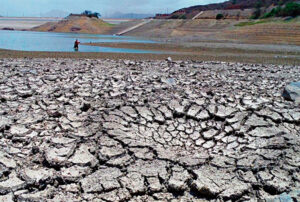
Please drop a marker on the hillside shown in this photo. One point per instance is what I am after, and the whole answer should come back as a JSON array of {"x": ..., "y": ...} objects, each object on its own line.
[
  {"x": 229, "y": 30},
  {"x": 77, "y": 24},
  {"x": 241, "y": 5}
]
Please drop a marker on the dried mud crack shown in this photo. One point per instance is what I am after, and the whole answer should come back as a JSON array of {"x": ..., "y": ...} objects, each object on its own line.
[{"x": 109, "y": 130}]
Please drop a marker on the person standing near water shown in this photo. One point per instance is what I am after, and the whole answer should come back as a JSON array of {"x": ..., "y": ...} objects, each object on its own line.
[{"x": 76, "y": 44}]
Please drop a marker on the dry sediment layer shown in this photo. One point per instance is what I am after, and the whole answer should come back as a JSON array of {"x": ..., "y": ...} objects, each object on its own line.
[{"x": 108, "y": 130}]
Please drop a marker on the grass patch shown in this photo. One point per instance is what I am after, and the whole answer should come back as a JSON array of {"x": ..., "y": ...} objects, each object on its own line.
[
  {"x": 270, "y": 20},
  {"x": 242, "y": 24},
  {"x": 108, "y": 24}
]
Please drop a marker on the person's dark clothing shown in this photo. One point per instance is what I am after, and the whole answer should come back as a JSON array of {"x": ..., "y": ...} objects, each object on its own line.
[{"x": 76, "y": 44}]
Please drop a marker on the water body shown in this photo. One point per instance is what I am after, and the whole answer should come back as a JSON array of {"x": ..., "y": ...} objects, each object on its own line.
[
  {"x": 29, "y": 19},
  {"x": 63, "y": 42}
]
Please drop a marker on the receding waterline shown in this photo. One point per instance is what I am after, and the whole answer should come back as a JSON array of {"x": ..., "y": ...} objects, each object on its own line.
[{"x": 63, "y": 42}]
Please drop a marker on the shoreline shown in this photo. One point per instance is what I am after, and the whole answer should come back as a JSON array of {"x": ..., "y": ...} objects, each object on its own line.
[
  {"x": 181, "y": 50},
  {"x": 209, "y": 56},
  {"x": 198, "y": 46}
]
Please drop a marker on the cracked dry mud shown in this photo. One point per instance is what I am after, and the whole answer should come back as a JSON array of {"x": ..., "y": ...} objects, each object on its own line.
[{"x": 104, "y": 130}]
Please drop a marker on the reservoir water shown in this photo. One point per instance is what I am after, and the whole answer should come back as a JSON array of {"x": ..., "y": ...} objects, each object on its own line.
[{"x": 63, "y": 42}]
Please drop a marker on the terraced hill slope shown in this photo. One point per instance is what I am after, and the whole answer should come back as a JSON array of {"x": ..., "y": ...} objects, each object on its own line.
[
  {"x": 265, "y": 33},
  {"x": 181, "y": 28},
  {"x": 257, "y": 32}
]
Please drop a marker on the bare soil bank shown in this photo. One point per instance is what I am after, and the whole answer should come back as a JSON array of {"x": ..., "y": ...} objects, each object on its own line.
[
  {"x": 275, "y": 31},
  {"x": 233, "y": 54},
  {"x": 201, "y": 47},
  {"x": 76, "y": 24}
]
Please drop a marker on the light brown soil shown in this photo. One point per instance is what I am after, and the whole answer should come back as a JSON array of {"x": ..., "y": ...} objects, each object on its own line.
[
  {"x": 77, "y": 25},
  {"x": 275, "y": 31},
  {"x": 266, "y": 33}
]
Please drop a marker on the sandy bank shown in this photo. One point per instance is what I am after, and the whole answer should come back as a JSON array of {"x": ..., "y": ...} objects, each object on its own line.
[{"x": 234, "y": 53}]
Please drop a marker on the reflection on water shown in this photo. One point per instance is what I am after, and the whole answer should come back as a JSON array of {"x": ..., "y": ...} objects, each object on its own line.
[{"x": 63, "y": 42}]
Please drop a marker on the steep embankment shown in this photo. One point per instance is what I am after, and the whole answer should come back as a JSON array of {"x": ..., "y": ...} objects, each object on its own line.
[
  {"x": 183, "y": 29},
  {"x": 76, "y": 24},
  {"x": 273, "y": 31},
  {"x": 265, "y": 32}
]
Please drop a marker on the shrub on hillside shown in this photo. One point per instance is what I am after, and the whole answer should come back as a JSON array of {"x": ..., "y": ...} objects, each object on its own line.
[
  {"x": 183, "y": 17},
  {"x": 179, "y": 17},
  {"x": 219, "y": 16},
  {"x": 91, "y": 14},
  {"x": 257, "y": 12},
  {"x": 175, "y": 17},
  {"x": 290, "y": 9},
  {"x": 282, "y": 2},
  {"x": 273, "y": 13}
]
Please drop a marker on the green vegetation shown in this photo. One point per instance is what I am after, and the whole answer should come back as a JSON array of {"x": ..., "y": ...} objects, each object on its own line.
[
  {"x": 179, "y": 17},
  {"x": 290, "y": 9},
  {"x": 219, "y": 16},
  {"x": 90, "y": 14},
  {"x": 273, "y": 12},
  {"x": 257, "y": 12},
  {"x": 183, "y": 17},
  {"x": 242, "y": 24}
]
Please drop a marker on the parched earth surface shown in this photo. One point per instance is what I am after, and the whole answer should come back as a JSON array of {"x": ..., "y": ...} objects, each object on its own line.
[{"x": 107, "y": 130}]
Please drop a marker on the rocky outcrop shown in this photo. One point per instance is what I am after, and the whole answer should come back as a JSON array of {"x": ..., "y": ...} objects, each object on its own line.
[
  {"x": 292, "y": 92},
  {"x": 106, "y": 130}
]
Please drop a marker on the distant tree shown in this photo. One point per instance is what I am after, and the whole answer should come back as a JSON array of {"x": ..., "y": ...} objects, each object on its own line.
[
  {"x": 257, "y": 13},
  {"x": 219, "y": 16},
  {"x": 86, "y": 13},
  {"x": 282, "y": 2},
  {"x": 291, "y": 9},
  {"x": 97, "y": 15},
  {"x": 233, "y": 2},
  {"x": 91, "y": 14},
  {"x": 258, "y": 4},
  {"x": 274, "y": 12}
]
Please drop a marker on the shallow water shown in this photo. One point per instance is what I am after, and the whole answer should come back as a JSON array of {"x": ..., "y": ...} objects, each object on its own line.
[{"x": 63, "y": 42}]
